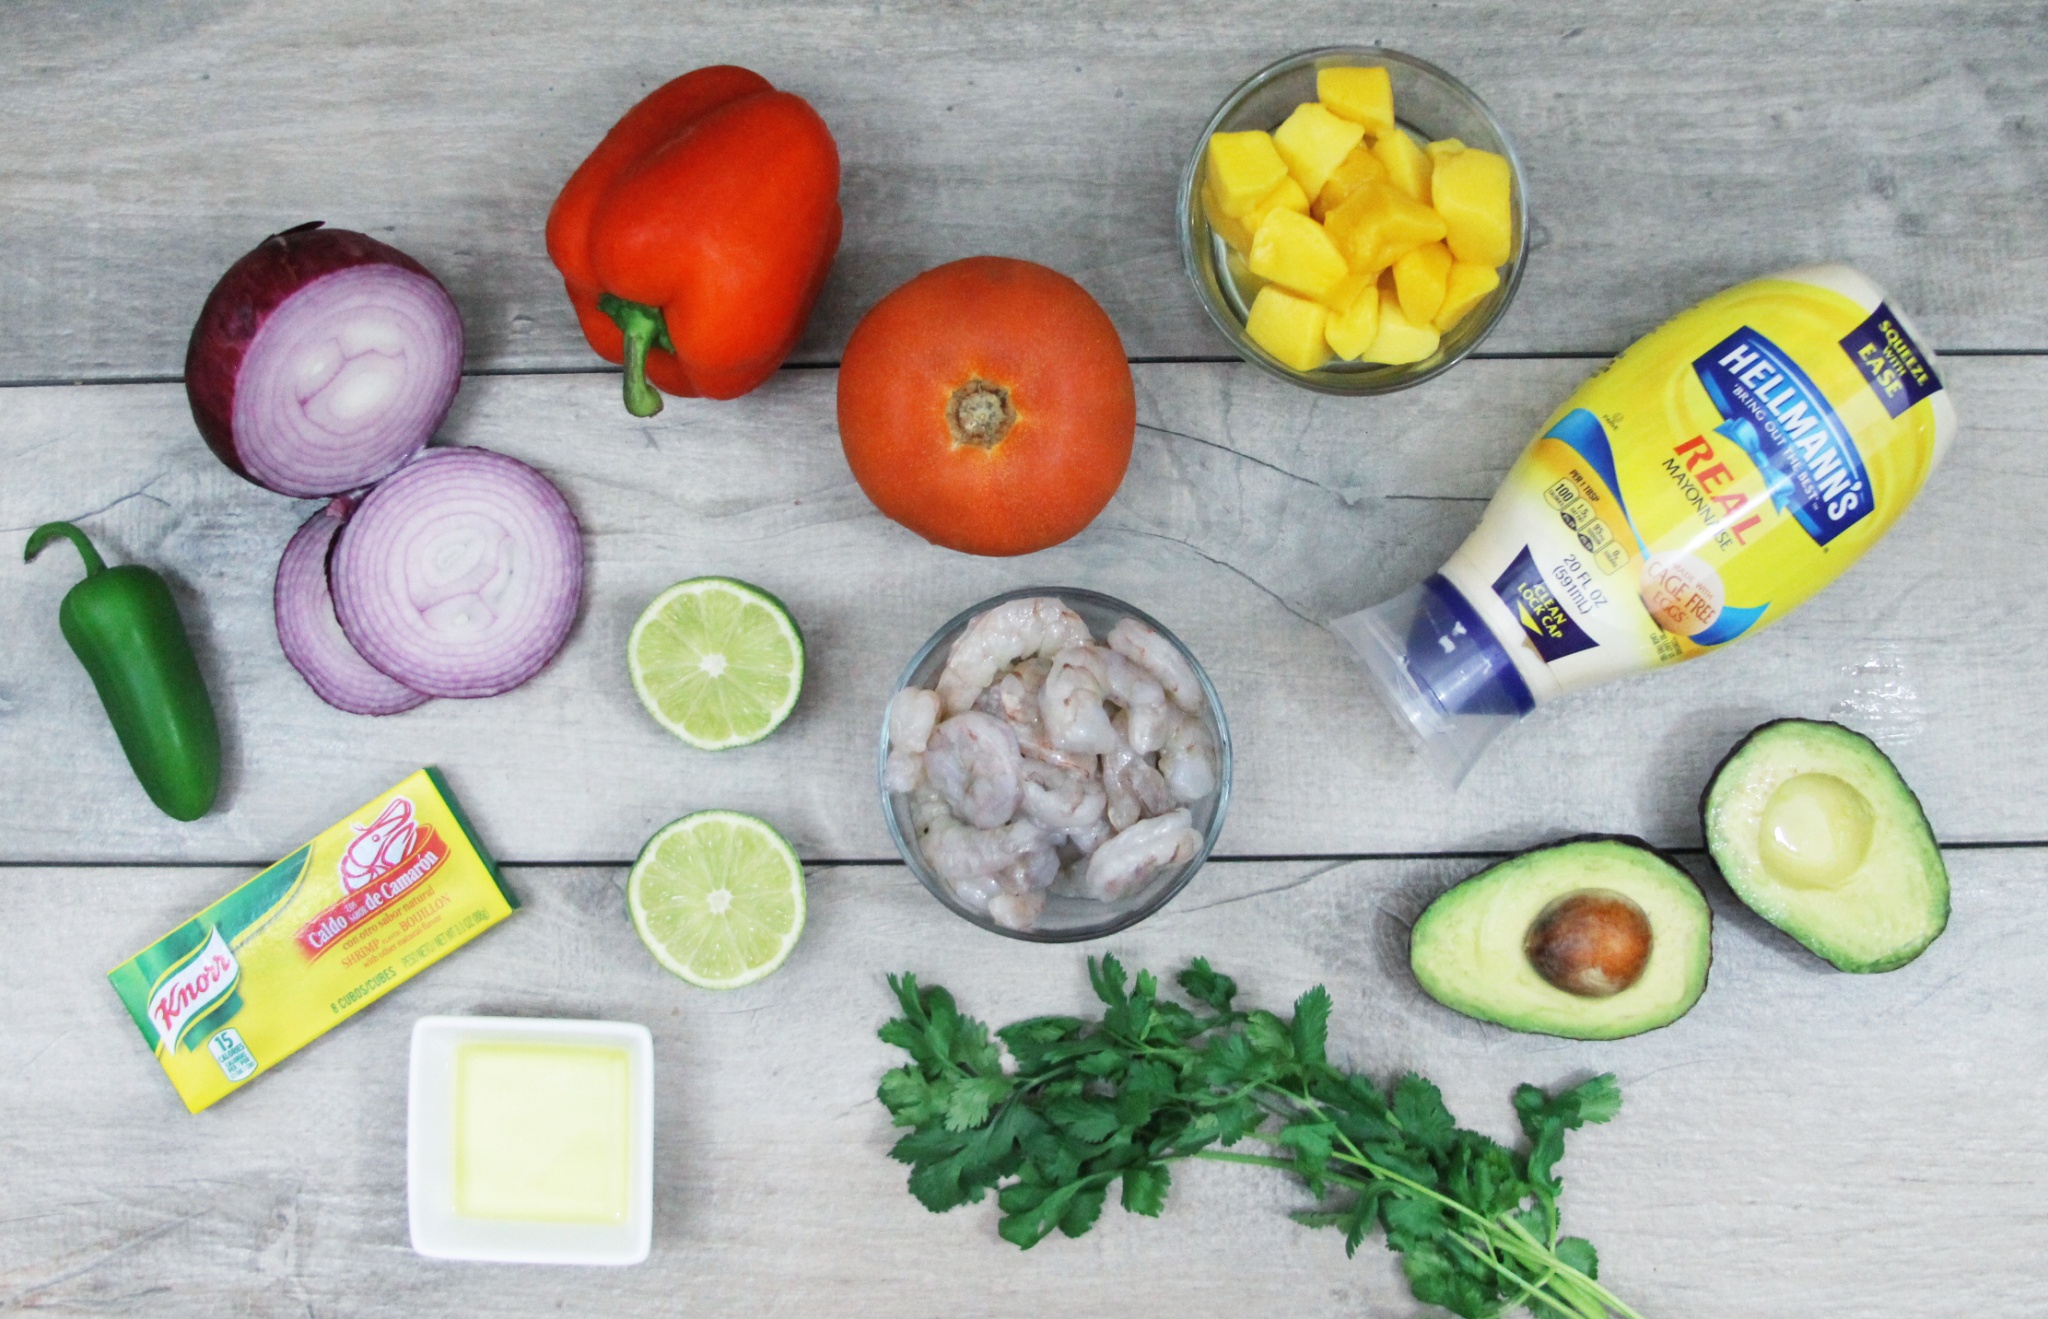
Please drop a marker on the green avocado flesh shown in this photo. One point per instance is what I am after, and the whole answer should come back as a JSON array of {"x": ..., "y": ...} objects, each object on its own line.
[
  {"x": 1470, "y": 950},
  {"x": 1813, "y": 827}
]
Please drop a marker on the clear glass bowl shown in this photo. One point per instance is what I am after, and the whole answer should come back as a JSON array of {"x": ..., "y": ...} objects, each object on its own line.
[
  {"x": 1429, "y": 103},
  {"x": 1065, "y": 919}
]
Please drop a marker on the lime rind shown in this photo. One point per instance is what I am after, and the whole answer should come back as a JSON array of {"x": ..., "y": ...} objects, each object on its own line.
[
  {"x": 673, "y": 895},
  {"x": 746, "y": 692}
]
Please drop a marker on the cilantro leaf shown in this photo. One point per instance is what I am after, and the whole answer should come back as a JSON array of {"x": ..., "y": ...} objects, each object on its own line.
[
  {"x": 1419, "y": 1108},
  {"x": 968, "y": 1102},
  {"x": 1049, "y": 1112},
  {"x": 1579, "y": 1254},
  {"x": 1145, "y": 1188},
  {"x": 1311, "y": 1027},
  {"x": 1207, "y": 986}
]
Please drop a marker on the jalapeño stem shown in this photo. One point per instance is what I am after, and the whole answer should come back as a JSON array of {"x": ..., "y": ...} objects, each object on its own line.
[
  {"x": 643, "y": 327},
  {"x": 49, "y": 531}
]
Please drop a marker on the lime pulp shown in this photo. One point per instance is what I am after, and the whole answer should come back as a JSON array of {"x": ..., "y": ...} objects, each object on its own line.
[{"x": 718, "y": 898}]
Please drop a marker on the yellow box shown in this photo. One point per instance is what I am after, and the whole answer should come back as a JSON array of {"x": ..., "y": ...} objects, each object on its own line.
[{"x": 316, "y": 938}]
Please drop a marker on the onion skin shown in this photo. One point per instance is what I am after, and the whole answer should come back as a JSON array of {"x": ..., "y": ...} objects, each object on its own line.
[
  {"x": 461, "y": 574},
  {"x": 311, "y": 637},
  {"x": 278, "y": 268}
]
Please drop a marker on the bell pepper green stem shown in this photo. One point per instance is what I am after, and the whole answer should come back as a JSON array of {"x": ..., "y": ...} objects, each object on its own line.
[
  {"x": 49, "y": 531},
  {"x": 644, "y": 328}
]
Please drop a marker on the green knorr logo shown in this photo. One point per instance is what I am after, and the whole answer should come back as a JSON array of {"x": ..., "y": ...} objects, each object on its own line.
[{"x": 181, "y": 998}]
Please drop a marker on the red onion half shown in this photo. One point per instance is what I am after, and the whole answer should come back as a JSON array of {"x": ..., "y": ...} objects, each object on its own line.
[
  {"x": 322, "y": 360},
  {"x": 461, "y": 574},
  {"x": 311, "y": 636}
]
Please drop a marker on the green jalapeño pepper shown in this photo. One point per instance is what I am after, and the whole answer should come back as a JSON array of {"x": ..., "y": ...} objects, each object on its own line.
[{"x": 124, "y": 627}]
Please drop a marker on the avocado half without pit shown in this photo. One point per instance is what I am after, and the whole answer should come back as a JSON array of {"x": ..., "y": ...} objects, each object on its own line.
[
  {"x": 1814, "y": 829},
  {"x": 1591, "y": 938}
]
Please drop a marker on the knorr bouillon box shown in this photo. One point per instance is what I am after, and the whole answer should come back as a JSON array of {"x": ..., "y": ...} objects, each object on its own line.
[{"x": 319, "y": 936}]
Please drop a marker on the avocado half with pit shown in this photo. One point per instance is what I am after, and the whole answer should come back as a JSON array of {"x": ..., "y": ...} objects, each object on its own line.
[
  {"x": 1591, "y": 938},
  {"x": 1812, "y": 826}
]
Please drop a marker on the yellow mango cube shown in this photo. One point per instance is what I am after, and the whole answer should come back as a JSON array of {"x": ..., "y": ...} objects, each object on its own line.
[
  {"x": 1348, "y": 290},
  {"x": 1350, "y": 332},
  {"x": 1314, "y": 142},
  {"x": 1231, "y": 228},
  {"x": 1352, "y": 173},
  {"x": 1437, "y": 150},
  {"x": 1471, "y": 191},
  {"x": 1364, "y": 96},
  {"x": 1421, "y": 278},
  {"x": 1248, "y": 284},
  {"x": 1399, "y": 340},
  {"x": 1466, "y": 288},
  {"x": 1289, "y": 196},
  {"x": 1408, "y": 166},
  {"x": 1292, "y": 250},
  {"x": 1237, "y": 230},
  {"x": 1289, "y": 327},
  {"x": 1378, "y": 223},
  {"x": 1242, "y": 169}
]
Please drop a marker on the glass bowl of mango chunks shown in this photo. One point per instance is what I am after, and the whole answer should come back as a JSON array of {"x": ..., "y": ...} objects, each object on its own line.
[{"x": 1353, "y": 220}]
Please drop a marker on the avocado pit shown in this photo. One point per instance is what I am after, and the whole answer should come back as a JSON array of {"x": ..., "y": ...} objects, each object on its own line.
[{"x": 1593, "y": 943}]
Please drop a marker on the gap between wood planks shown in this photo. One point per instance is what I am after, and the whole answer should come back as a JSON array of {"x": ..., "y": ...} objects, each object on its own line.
[
  {"x": 485, "y": 372},
  {"x": 875, "y": 862}
]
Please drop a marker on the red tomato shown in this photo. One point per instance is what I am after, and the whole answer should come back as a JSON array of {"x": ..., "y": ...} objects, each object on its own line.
[{"x": 987, "y": 405}]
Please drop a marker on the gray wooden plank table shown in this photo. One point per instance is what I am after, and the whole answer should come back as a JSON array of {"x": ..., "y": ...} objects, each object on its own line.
[{"x": 1803, "y": 1143}]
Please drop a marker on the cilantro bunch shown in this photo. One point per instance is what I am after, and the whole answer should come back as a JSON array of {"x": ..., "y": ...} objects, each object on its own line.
[{"x": 1078, "y": 1107}]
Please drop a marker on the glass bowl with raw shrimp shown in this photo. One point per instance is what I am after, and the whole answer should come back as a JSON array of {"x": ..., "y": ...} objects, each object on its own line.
[{"x": 1054, "y": 765}]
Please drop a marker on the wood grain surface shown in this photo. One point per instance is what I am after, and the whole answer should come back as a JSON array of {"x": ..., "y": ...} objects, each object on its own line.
[
  {"x": 1803, "y": 1143},
  {"x": 1671, "y": 150},
  {"x": 1253, "y": 512}
]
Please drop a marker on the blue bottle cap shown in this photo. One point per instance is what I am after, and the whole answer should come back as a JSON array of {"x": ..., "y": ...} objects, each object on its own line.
[{"x": 1440, "y": 670}]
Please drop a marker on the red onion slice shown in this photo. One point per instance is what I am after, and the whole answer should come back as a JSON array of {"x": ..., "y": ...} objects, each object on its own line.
[
  {"x": 322, "y": 361},
  {"x": 461, "y": 574},
  {"x": 311, "y": 636}
]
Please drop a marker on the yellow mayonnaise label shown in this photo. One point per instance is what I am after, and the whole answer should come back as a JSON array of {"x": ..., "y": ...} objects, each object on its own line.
[
  {"x": 1708, "y": 481},
  {"x": 324, "y": 933}
]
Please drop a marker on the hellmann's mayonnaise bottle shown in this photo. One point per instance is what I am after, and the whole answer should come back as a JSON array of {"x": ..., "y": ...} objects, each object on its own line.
[{"x": 1720, "y": 471}]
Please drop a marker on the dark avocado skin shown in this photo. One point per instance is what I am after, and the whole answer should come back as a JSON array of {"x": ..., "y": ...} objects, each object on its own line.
[
  {"x": 1625, "y": 840},
  {"x": 1742, "y": 745}
]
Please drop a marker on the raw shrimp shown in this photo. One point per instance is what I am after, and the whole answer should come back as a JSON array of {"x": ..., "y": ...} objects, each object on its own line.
[
  {"x": 1126, "y": 862},
  {"x": 912, "y": 713},
  {"x": 1000, "y": 637},
  {"x": 1017, "y": 911},
  {"x": 1014, "y": 698},
  {"x": 1142, "y": 697},
  {"x": 904, "y": 771},
  {"x": 1071, "y": 703},
  {"x": 1160, "y": 658},
  {"x": 1089, "y": 837},
  {"x": 1081, "y": 679},
  {"x": 1135, "y": 789},
  {"x": 1061, "y": 799},
  {"x": 1187, "y": 760},
  {"x": 970, "y": 859},
  {"x": 972, "y": 760},
  {"x": 1032, "y": 871}
]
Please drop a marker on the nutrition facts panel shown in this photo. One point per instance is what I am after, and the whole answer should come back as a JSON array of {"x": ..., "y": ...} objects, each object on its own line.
[{"x": 1784, "y": 1149}]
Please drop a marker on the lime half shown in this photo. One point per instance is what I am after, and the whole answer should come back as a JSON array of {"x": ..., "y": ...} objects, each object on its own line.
[
  {"x": 718, "y": 898},
  {"x": 718, "y": 662}
]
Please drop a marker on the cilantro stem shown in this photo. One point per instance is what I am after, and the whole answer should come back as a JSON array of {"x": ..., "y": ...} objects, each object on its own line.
[{"x": 1516, "y": 1234}]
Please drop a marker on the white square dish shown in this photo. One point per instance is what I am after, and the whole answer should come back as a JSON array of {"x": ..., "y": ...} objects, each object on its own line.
[{"x": 530, "y": 1140}]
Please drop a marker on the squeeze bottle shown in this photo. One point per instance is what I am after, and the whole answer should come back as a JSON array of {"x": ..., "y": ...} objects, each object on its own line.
[{"x": 1724, "y": 468}]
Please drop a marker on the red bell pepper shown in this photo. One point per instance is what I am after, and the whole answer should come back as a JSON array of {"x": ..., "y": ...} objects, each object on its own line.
[{"x": 695, "y": 239}]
